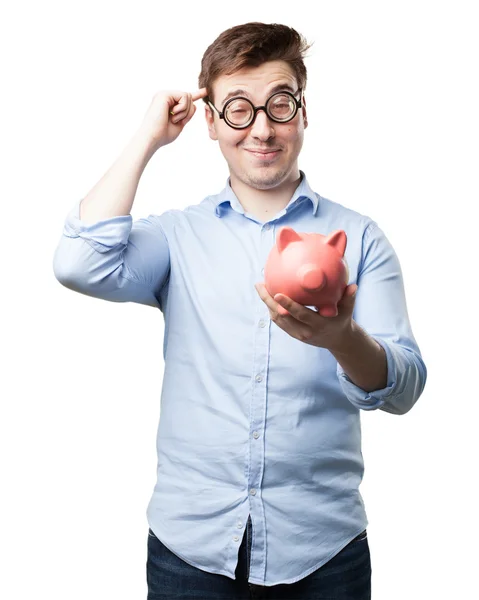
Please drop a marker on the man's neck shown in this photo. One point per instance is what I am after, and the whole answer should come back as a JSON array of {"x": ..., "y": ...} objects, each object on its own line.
[{"x": 264, "y": 204}]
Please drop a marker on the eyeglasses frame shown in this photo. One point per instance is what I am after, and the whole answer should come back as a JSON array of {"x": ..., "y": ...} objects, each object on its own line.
[{"x": 256, "y": 109}]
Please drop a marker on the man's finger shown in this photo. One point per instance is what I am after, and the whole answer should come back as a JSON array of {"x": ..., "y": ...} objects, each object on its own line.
[
  {"x": 269, "y": 301},
  {"x": 199, "y": 94},
  {"x": 349, "y": 293},
  {"x": 181, "y": 105}
]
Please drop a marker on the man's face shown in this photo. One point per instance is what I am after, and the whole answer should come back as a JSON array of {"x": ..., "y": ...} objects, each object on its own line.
[{"x": 265, "y": 154}]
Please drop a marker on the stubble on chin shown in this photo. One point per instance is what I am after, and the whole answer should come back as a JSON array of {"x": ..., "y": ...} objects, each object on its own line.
[{"x": 262, "y": 179}]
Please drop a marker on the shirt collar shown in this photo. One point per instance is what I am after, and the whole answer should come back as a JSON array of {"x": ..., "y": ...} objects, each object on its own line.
[{"x": 302, "y": 193}]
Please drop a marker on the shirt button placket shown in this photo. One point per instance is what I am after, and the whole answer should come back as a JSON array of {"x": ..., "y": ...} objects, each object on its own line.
[{"x": 258, "y": 404}]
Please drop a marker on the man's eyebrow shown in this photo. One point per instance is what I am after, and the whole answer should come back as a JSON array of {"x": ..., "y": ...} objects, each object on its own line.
[
  {"x": 233, "y": 93},
  {"x": 277, "y": 88}
]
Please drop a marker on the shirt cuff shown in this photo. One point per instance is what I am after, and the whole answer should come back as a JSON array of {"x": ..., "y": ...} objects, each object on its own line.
[
  {"x": 377, "y": 398},
  {"x": 103, "y": 235}
]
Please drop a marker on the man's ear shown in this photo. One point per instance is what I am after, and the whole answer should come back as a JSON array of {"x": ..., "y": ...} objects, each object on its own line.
[
  {"x": 305, "y": 115},
  {"x": 210, "y": 121}
]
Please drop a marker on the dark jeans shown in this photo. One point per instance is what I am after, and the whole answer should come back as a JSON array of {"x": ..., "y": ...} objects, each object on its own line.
[{"x": 347, "y": 576}]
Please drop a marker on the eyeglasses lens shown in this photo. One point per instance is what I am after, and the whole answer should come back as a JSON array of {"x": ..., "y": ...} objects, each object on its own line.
[
  {"x": 281, "y": 107},
  {"x": 240, "y": 112}
]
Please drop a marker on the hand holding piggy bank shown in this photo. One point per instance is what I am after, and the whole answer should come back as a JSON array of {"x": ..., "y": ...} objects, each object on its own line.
[{"x": 310, "y": 268}]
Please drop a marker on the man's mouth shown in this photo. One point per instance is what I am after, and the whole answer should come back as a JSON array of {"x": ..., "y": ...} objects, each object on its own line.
[{"x": 263, "y": 153}]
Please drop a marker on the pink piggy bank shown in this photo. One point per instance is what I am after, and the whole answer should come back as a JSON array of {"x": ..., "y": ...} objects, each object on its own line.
[{"x": 310, "y": 268}]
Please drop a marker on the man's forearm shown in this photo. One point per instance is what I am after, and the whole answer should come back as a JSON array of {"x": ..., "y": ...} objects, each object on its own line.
[
  {"x": 363, "y": 359},
  {"x": 114, "y": 194}
]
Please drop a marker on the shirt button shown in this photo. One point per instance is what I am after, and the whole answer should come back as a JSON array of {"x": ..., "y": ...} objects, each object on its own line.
[
  {"x": 262, "y": 323},
  {"x": 258, "y": 378},
  {"x": 255, "y": 435},
  {"x": 267, "y": 226},
  {"x": 236, "y": 538},
  {"x": 240, "y": 525},
  {"x": 252, "y": 492}
]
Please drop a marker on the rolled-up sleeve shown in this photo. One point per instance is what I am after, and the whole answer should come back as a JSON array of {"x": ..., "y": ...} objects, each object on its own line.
[
  {"x": 114, "y": 259},
  {"x": 380, "y": 309}
]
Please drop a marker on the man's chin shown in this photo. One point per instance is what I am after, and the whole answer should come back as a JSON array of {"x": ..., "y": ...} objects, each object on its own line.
[{"x": 264, "y": 178}]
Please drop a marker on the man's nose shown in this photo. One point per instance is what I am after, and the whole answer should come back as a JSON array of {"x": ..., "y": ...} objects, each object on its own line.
[{"x": 262, "y": 127}]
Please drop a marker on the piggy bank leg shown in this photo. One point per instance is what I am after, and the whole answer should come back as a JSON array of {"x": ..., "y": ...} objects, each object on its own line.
[{"x": 328, "y": 310}]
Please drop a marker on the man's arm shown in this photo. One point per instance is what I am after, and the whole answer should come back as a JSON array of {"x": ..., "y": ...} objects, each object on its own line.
[
  {"x": 102, "y": 253},
  {"x": 380, "y": 317},
  {"x": 165, "y": 119},
  {"x": 379, "y": 364},
  {"x": 114, "y": 194},
  {"x": 363, "y": 359}
]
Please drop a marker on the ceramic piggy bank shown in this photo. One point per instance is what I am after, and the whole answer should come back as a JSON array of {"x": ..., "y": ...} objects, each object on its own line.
[{"x": 310, "y": 268}]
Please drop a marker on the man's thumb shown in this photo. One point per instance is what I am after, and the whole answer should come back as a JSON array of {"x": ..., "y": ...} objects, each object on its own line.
[{"x": 350, "y": 293}]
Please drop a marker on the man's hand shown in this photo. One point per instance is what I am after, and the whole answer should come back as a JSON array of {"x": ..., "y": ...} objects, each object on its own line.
[
  {"x": 167, "y": 116},
  {"x": 308, "y": 325}
]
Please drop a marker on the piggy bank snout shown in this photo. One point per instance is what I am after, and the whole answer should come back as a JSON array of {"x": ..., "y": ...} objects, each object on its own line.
[{"x": 311, "y": 277}]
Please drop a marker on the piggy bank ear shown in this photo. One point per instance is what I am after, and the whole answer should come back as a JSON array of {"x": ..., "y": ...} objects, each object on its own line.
[
  {"x": 286, "y": 235},
  {"x": 338, "y": 240}
]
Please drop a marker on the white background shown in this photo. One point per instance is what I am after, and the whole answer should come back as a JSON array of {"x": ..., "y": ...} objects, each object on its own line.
[{"x": 393, "y": 133}]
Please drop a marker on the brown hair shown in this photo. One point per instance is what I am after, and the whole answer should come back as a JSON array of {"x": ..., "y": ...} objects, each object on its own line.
[{"x": 250, "y": 45}]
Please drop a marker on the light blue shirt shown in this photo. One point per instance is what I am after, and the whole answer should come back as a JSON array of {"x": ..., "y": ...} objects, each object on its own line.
[{"x": 252, "y": 421}]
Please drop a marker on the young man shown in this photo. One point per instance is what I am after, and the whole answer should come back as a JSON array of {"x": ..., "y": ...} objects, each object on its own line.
[{"x": 259, "y": 440}]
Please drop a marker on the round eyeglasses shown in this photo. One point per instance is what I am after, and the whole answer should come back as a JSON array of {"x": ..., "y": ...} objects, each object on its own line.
[{"x": 240, "y": 112}]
